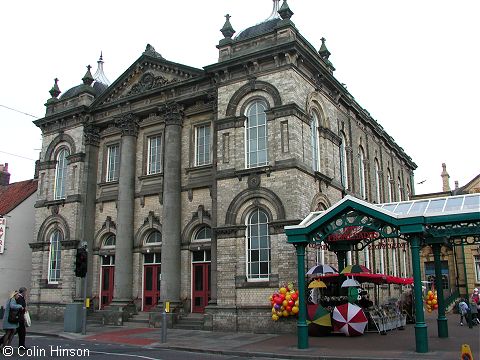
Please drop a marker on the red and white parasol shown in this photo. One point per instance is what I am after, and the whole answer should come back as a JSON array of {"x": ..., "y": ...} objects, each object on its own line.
[{"x": 349, "y": 319}]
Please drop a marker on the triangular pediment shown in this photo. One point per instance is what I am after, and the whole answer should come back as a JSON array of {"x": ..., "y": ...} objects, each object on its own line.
[{"x": 150, "y": 72}]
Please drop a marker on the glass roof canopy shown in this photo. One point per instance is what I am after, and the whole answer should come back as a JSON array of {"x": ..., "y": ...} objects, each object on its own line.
[
  {"x": 447, "y": 205},
  {"x": 435, "y": 206}
]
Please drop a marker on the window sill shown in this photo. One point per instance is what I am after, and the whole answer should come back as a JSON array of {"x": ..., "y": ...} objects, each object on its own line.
[{"x": 241, "y": 282}]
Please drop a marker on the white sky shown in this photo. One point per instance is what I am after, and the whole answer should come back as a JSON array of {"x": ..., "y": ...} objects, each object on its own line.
[{"x": 414, "y": 65}]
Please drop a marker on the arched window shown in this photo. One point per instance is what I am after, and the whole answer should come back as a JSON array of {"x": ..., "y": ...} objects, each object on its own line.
[
  {"x": 390, "y": 188},
  {"x": 258, "y": 246},
  {"x": 407, "y": 195},
  {"x": 361, "y": 173},
  {"x": 315, "y": 144},
  {"x": 378, "y": 197},
  {"x": 343, "y": 161},
  {"x": 54, "y": 257},
  {"x": 256, "y": 134},
  {"x": 154, "y": 237},
  {"x": 109, "y": 241},
  {"x": 61, "y": 174},
  {"x": 203, "y": 234},
  {"x": 400, "y": 197}
]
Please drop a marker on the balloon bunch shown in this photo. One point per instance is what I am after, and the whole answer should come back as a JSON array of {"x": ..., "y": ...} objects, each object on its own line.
[
  {"x": 431, "y": 301},
  {"x": 284, "y": 302}
]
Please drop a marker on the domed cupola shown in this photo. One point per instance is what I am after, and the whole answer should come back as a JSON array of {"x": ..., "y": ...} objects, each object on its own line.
[
  {"x": 93, "y": 85},
  {"x": 269, "y": 24}
]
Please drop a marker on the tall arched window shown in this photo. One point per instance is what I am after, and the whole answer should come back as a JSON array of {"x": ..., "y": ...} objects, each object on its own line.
[
  {"x": 258, "y": 246},
  {"x": 256, "y": 134},
  {"x": 54, "y": 257},
  {"x": 315, "y": 144},
  {"x": 361, "y": 173},
  {"x": 400, "y": 197},
  {"x": 61, "y": 174},
  {"x": 343, "y": 161},
  {"x": 390, "y": 187},
  {"x": 378, "y": 197}
]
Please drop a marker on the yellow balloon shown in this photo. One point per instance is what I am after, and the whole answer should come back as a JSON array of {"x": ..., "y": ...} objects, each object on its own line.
[
  {"x": 429, "y": 310},
  {"x": 285, "y": 313},
  {"x": 285, "y": 303},
  {"x": 274, "y": 311},
  {"x": 434, "y": 301},
  {"x": 283, "y": 290},
  {"x": 274, "y": 317},
  {"x": 288, "y": 296},
  {"x": 429, "y": 292},
  {"x": 295, "y": 310},
  {"x": 429, "y": 302},
  {"x": 279, "y": 313},
  {"x": 297, "y": 303}
]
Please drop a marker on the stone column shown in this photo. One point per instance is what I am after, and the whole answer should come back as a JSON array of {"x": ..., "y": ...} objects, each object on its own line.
[
  {"x": 91, "y": 137},
  {"x": 122, "y": 294},
  {"x": 171, "y": 225}
]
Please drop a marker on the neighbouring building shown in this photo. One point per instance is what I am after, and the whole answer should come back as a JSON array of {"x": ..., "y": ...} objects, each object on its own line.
[
  {"x": 461, "y": 263},
  {"x": 17, "y": 220},
  {"x": 180, "y": 180}
]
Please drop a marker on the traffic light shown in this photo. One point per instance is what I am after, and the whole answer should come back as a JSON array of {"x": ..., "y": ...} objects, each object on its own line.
[{"x": 81, "y": 262}]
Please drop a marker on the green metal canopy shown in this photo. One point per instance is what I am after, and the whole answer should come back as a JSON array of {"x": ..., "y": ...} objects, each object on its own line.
[{"x": 354, "y": 223}]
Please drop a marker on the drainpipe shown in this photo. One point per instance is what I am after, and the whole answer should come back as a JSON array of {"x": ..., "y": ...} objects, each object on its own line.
[{"x": 465, "y": 270}]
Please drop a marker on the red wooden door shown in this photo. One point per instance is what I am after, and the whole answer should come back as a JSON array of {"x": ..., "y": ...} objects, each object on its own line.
[
  {"x": 200, "y": 286},
  {"x": 151, "y": 286},
  {"x": 107, "y": 285}
]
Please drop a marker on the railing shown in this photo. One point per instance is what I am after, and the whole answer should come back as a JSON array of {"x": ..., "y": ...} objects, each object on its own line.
[{"x": 452, "y": 298}]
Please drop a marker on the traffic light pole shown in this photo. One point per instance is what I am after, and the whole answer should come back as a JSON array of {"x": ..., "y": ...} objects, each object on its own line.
[{"x": 84, "y": 309}]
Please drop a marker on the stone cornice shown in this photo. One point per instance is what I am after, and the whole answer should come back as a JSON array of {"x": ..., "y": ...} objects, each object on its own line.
[
  {"x": 46, "y": 165},
  {"x": 291, "y": 109},
  {"x": 230, "y": 122},
  {"x": 78, "y": 157}
]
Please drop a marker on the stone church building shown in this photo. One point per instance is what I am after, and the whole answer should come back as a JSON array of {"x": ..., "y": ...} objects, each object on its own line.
[{"x": 180, "y": 180}]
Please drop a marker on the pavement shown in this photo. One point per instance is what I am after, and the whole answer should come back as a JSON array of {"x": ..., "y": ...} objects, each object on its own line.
[{"x": 395, "y": 345}]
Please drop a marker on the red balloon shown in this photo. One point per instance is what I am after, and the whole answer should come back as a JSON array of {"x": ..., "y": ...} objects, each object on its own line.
[
  {"x": 291, "y": 303},
  {"x": 282, "y": 297},
  {"x": 278, "y": 300},
  {"x": 294, "y": 296},
  {"x": 288, "y": 308}
]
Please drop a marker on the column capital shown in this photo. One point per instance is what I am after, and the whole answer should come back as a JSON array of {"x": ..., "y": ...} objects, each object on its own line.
[
  {"x": 91, "y": 135},
  {"x": 128, "y": 124},
  {"x": 172, "y": 112}
]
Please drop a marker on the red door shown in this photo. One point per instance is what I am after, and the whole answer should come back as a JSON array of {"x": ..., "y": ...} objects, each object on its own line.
[
  {"x": 107, "y": 285},
  {"x": 151, "y": 286},
  {"x": 201, "y": 286}
]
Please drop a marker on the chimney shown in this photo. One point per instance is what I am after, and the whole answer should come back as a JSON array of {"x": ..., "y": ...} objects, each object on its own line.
[
  {"x": 456, "y": 184},
  {"x": 445, "y": 178},
  {"x": 4, "y": 175}
]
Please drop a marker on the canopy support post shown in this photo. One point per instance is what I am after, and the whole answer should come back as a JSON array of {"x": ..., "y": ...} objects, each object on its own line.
[
  {"x": 441, "y": 320},
  {"x": 342, "y": 257},
  {"x": 421, "y": 334},
  {"x": 302, "y": 327}
]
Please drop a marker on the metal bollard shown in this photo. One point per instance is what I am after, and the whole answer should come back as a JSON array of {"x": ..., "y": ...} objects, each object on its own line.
[{"x": 164, "y": 327}]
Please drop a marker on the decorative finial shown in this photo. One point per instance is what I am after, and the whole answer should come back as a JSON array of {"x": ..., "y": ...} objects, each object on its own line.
[
  {"x": 55, "y": 90},
  {"x": 285, "y": 12},
  {"x": 99, "y": 74},
  {"x": 88, "y": 78},
  {"x": 150, "y": 51},
  {"x": 324, "y": 53},
  {"x": 227, "y": 29}
]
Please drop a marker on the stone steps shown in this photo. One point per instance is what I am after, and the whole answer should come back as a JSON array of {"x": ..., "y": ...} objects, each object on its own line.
[{"x": 190, "y": 322}]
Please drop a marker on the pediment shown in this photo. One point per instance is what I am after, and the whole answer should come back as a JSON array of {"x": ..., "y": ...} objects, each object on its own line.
[{"x": 146, "y": 74}]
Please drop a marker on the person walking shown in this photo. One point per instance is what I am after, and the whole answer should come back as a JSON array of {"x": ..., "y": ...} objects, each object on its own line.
[
  {"x": 22, "y": 330},
  {"x": 475, "y": 301},
  {"x": 10, "y": 327}
]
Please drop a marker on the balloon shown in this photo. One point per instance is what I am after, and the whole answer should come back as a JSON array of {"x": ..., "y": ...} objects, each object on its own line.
[
  {"x": 429, "y": 310},
  {"x": 285, "y": 313},
  {"x": 278, "y": 300},
  {"x": 297, "y": 303},
  {"x": 274, "y": 317},
  {"x": 295, "y": 309},
  {"x": 435, "y": 306},
  {"x": 429, "y": 292},
  {"x": 294, "y": 296},
  {"x": 277, "y": 307},
  {"x": 283, "y": 290},
  {"x": 288, "y": 308},
  {"x": 284, "y": 302},
  {"x": 273, "y": 310},
  {"x": 291, "y": 303},
  {"x": 279, "y": 313},
  {"x": 429, "y": 302},
  {"x": 288, "y": 296},
  {"x": 434, "y": 301}
]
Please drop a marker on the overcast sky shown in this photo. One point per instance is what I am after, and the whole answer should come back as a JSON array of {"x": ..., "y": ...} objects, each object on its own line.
[{"x": 414, "y": 65}]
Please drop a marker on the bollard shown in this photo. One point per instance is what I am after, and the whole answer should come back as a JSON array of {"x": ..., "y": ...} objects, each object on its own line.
[{"x": 164, "y": 327}]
